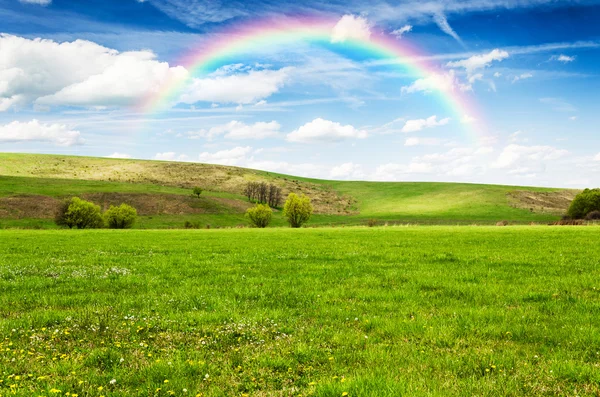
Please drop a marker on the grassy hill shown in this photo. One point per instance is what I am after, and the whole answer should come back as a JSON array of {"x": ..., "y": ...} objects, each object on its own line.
[{"x": 31, "y": 186}]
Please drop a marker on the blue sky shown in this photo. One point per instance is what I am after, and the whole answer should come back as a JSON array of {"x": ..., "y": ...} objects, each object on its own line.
[{"x": 72, "y": 76}]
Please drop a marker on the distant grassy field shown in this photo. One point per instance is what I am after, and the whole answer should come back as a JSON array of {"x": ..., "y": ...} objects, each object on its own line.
[
  {"x": 437, "y": 311},
  {"x": 32, "y": 185}
]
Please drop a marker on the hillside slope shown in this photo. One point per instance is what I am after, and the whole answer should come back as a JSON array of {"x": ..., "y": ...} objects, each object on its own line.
[{"x": 32, "y": 185}]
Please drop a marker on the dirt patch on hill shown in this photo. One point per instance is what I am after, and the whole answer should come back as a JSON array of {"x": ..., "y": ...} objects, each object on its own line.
[
  {"x": 555, "y": 203},
  {"x": 17, "y": 207},
  {"x": 168, "y": 204}
]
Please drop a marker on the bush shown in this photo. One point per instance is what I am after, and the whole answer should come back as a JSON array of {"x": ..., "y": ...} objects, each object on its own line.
[
  {"x": 593, "y": 216},
  {"x": 191, "y": 225},
  {"x": 121, "y": 217},
  {"x": 372, "y": 222},
  {"x": 60, "y": 218},
  {"x": 297, "y": 210},
  {"x": 80, "y": 214},
  {"x": 260, "y": 216},
  {"x": 197, "y": 191},
  {"x": 584, "y": 203}
]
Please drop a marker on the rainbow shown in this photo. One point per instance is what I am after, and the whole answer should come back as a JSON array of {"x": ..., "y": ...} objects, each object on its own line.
[{"x": 249, "y": 37}]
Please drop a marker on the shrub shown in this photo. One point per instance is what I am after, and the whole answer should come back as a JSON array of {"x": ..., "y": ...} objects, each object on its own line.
[
  {"x": 297, "y": 210},
  {"x": 60, "y": 218},
  {"x": 593, "y": 216},
  {"x": 372, "y": 222},
  {"x": 80, "y": 214},
  {"x": 121, "y": 217},
  {"x": 584, "y": 203},
  {"x": 191, "y": 225},
  {"x": 260, "y": 216},
  {"x": 197, "y": 191}
]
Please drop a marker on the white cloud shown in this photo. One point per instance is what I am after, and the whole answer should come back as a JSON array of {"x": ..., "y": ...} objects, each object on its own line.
[
  {"x": 414, "y": 141},
  {"x": 170, "y": 156},
  {"x": 239, "y": 130},
  {"x": 400, "y": 32},
  {"x": 395, "y": 172},
  {"x": 283, "y": 167},
  {"x": 573, "y": 118},
  {"x": 497, "y": 74},
  {"x": 517, "y": 137},
  {"x": 436, "y": 82},
  {"x": 242, "y": 88},
  {"x": 466, "y": 119},
  {"x": 522, "y": 76},
  {"x": 226, "y": 157},
  {"x": 40, "y": 2},
  {"x": 320, "y": 130},
  {"x": 597, "y": 158},
  {"x": 34, "y": 131},
  {"x": 80, "y": 73},
  {"x": 479, "y": 61},
  {"x": 562, "y": 58},
  {"x": 442, "y": 22},
  {"x": 117, "y": 155},
  {"x": 347, "y": 171},
  {"x": 419, "y": 124},
  {"x": 350, "y": 27},
  {"x": 516, "y": 155}
]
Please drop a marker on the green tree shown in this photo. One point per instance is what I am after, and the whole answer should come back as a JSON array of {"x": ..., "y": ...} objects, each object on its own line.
[
  {"x": 584, "y": 203},
  {"x": 80, "y": 214},
  {"x": 60, "y": 218},
  {"x": 297, "y": 209},
  {"x": 260, "y": 216},
  {"x": 197, "y": 191},
  {"x": 121, "y": 217}
]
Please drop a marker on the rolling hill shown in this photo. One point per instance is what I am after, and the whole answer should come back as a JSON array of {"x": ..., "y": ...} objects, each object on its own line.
[{"x": 31, "y": 186}]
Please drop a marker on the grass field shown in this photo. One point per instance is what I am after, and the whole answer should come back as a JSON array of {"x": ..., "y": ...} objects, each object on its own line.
[
  {"x": 32, "y": 185},
  {"x": 440, "y": 311}
]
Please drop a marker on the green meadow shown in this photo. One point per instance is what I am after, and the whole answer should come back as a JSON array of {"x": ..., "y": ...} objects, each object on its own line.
[
  {"x": 385, "y": 311},
  {"x": 32, "y": 186}
]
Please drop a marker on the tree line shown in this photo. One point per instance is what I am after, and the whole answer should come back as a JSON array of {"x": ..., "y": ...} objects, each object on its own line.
[{"x": 263, "y": 193}]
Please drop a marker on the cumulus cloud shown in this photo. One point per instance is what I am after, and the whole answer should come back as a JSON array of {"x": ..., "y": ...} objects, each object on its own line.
[
  {"x": 436, "y": 82},
  {"x": 226, "y": 157},
  {"x": 395, "y": 172},
  {"x": 419, "y": 124},
  {"x": 79, "y": 73},
  {"x": 117, "y": 155},
  {"x": 414, "y": 141},
  {"x": 477, "y": 62},
  {"x": 400, "y": 32},
  {"x": 239, "y": 130},
  {"x": 516, "y": 155},
  {"x": 320, "y": 130},
  {"x": 522, "y": 76},
  {"x": 562, "y": 58},
  {"x": 241, "y": 88},
  {"x": 466, "y": 119},
  {"x": 347, "y": 171},
  {"x": 350, "y": 27},
  {"x": 170, "y": 156},
  {"x": 34, "y": 131},
  {"x": 597, "y": 158}
]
